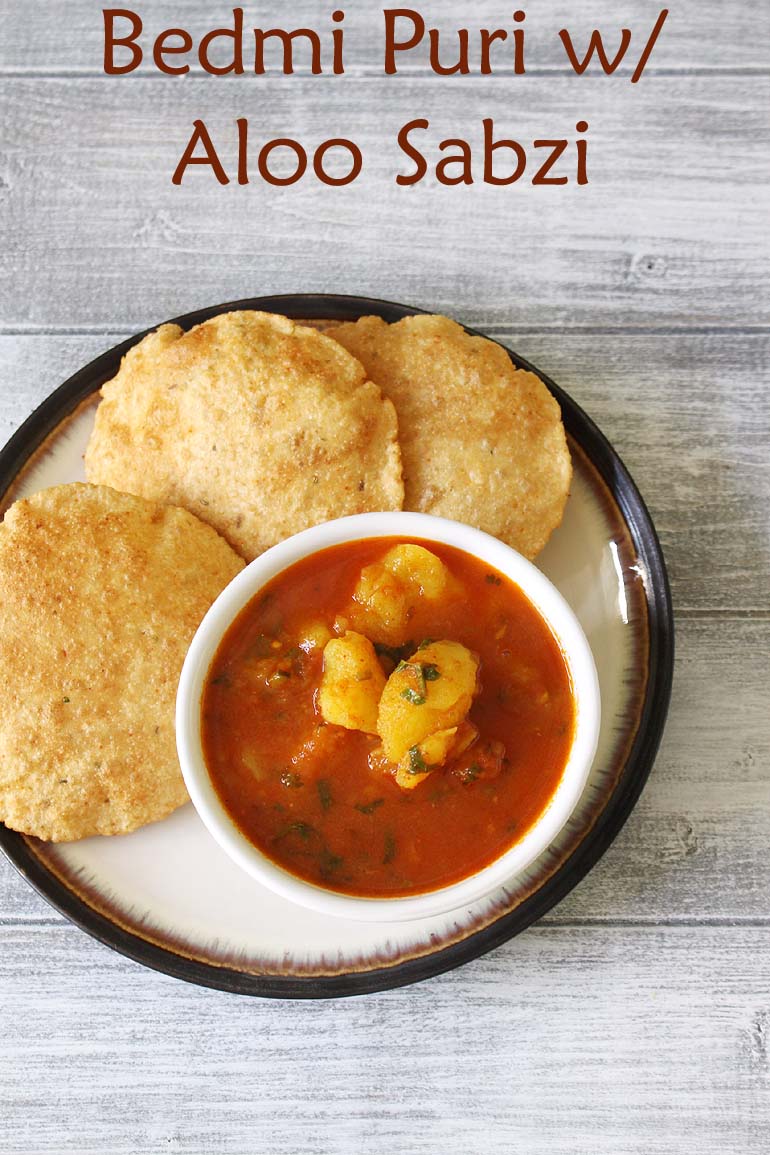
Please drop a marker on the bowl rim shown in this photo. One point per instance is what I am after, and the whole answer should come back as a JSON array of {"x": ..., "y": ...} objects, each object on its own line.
[{"x": 426, "y": 528}]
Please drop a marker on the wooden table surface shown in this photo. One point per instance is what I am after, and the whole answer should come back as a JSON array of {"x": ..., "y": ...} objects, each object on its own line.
[{"x": 635, "y": 1018}]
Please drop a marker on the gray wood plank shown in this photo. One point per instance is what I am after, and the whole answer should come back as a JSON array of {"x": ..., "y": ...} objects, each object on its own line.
[
  {"x": 670, "y": 231},
  {"x": 19, "y": 903},
  {"x": 696, "y": 34},
  {"x": 32, "y": 367},
  {"x": 567, "y": 1041},
  {"x": 695, "y": 846},
  {"x": 598, "y": 1032},
  {"x": 690, "y": 416}
]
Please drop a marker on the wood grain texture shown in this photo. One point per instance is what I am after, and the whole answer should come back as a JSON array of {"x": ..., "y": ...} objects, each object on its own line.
[
  {"x": 697, "y": 35},
  {"x": 695, "y": 254},
  {"x": 576, "y": 1041},
  {"x": 635, "y": 1020}
]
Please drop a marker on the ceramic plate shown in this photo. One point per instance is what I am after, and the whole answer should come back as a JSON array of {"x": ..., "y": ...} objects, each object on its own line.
[{"x": 168, "y": 897}]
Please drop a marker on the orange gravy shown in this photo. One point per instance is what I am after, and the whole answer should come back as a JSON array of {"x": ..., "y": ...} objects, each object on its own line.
[{"x": 303, "y": 790}]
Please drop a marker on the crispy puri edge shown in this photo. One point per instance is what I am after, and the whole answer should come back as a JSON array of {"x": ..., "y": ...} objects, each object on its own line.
[
  {"x": 284, "y": 325},
  {"x": 131, "y": 360},
  {"x": 160, "y": 512},
  {"x": 63, "y": 832},
  {"x": 560, "y": 505},
  {"x": 392, "y": 471}
]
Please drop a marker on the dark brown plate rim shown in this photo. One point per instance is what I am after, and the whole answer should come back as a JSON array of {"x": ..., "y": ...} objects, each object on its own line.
[{"x": 62, "y": 403}]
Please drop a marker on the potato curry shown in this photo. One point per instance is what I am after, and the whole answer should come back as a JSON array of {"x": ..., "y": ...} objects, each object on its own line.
[{"x": 386, "y": 718}]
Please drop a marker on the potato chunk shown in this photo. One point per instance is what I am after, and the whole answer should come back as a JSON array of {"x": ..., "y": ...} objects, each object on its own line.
[
  {"x": 430, "y": 692},
  {"x": 419, "y": 569},
  {"x": 407, "y": 779},
  {"x": 381, "y": 606},
  {"x": 351, "y": 684},
  {"x": 418, "y": 762},
  {"x": 389, "y": 590},
  {"x": 314, "y": 636}
]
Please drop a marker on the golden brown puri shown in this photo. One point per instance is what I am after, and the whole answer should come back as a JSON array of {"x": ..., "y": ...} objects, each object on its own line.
[
  {"x": 257, "y": 425},
  {"x": 481, "y": 441},
  {"x": 102, "y": 593}
]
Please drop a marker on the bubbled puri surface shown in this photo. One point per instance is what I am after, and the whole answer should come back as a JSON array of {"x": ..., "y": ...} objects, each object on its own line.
[
  {"x": 259, "y": 426},
  {"x": 102, "y": 593},
  {"x": 482, "y": 442}
]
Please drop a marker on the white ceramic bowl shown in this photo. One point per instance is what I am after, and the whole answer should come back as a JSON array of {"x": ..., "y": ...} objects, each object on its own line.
[{"x": 543, "y": 595}]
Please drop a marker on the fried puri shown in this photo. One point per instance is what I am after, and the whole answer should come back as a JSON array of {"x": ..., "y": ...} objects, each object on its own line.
[
  {"x": 259, "y": 426},
  {"x": 481, "y": 441},
  {"x": 102, "y": 593}
]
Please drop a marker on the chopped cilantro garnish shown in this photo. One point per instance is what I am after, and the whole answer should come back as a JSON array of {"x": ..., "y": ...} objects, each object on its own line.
[
  {"x": 303, "y": 829},
  {"x": 329, "y": 862},
  {"x": 431, "y": 673},
  {"x": 370, "y": 807},
  {"x": 324, "y": 793},
  {"x": 412, "y": 696},
  {"x": 418, "y": 671},
  {"x": 390, "y": 849},
  {"x": 416, "y": 761},
  {"x": 391, "y": 652}
]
